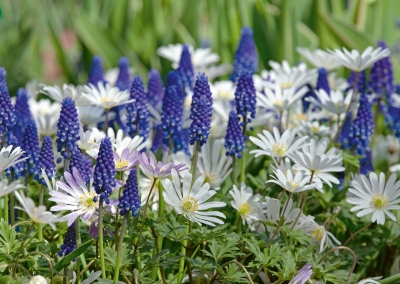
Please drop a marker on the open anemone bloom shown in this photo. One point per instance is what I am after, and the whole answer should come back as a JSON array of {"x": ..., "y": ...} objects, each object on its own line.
[
  {"x": 9, "y": 157},
  {"x": 320, "y": 58},
  {"x": 223, "y": 90},
  {"x": 126, "y": 160},
  {"x": 293, "y": 182},
  {"x": 277, "y": 146},
  {"x": 303, "y": 275},
  {"x": 92, "y": 115},
  {"x": 106, "y": 96},
  {"x": 157, "y": 170},
  {"x": 359, "y": 62},
  {"x": 120, "y": 142},
  {"x": 76, "y": 197},
  {"x": 249, "y": 206},
  {"x": 86, "y": 142},
  {"x": 374, "y": 196},
  {"x": 68, "y": 91},
  {"x": 274, "y": 212},
  {"x": 214, "y": 164},
  {"x": 191, "y": 200},
  {"x": 279, "y": 99},
  {"x": 313, "y": 128},
  {"x": 287, "y": 76},
  {"x": 38, "y": 215},
  {"x": 335, "y": 102},
  {"x": 7, "y": 188}
]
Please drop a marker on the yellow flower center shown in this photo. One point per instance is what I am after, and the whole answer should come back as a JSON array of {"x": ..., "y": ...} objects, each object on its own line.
[
  {"x": 288, "y": 84},
  {"x": 378, "y": 201},
  {"x": 107, "y": 100},
  {"x": 314, "y": 128},
  {"x": 189, "y": 204},
  {"x": 224, "y": 94},
  {"x": 121, "y": 164},
  {"x": 318, "y": 233},
  {"x": 245, "y": 208},
  {"x": 87, "y": 200},
  {"x": 278, "y": 103},
  {"x": 294, "y": 183},
  {"x": 210, "y": 178},
  {"x": 279, "y": 149}
]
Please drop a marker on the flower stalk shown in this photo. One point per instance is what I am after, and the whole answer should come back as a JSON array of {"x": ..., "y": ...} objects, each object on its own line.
[
  {"x": 119, "y": 250},
  {"x": 101, "y": 240}
]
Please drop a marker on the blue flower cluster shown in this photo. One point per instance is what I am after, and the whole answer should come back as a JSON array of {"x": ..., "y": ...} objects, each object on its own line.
[
  {"x": 137, "y": 111},
  {"x": 185, "y": 69},
  {"x": 245, "y": 96},
  {"x": 234, "y": 140},
  {"x": 83, "y": 165},
  {"x": 201, "y": 111},
  {"x": 362, "y": 84},
  {"x": 104, "y": 171},
  {"x": 7, "y": 117},
  {"x": 322, "y": 82},
  {"x": 22, "y": 113},
  {"x": 46, "y": 160},
  {"x": 18, "y": 168},
  {"x": 69, "y": 244},
  {"x": 96, "y": 73},
  {"x": 246, "y": 58},
  {"x": 30, "y": 144},
  {"x": 381, "y": 76},
  {"x": 130, "y": 201},
  {"x": 124, "y": 77},
  {"x": 67, "y": 128},
  {"x": 155, "y": 89}
]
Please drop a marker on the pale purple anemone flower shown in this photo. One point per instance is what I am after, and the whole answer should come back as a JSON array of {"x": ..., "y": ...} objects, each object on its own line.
[
  {"x": 126, "y": 161},
  {"x": 158, "y": 170},
  {"x": 77, "y": 197},
  {"x": 303, "y": 275}
]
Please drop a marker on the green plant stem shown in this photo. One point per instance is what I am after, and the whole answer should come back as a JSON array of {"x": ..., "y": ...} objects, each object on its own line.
[
  {"x": 304, "y": 202},
  {"x": 22, "y": 246},
  {"x": 390, "y": 280},
  {"x": 78, "y": 243},
  {"x": 40, "y": 232},
  {"x": 6, "y": 208},
  {"x": 101, "y": 241},
  {"x": 3, "y": 140},
  {"x": 193, "y": 167},
  {"x": 119, "y": 250},
  {"x": 234, "y": 170},
  {"x": 281, "y": 220},
  {"x": 243, "y": 162},
  {"x": 12, "y": 212},
  {"x": 105, "y": 126},
  {"x": 161, "y": 210},
  {"x": 117, "y": 214}
]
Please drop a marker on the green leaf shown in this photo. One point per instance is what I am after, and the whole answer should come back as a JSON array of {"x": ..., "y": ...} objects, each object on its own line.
[
  {"x": 70, "y": 257},
  {"x": 8, "y": 238}
]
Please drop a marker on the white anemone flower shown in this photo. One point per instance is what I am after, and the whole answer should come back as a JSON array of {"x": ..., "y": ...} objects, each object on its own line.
[
  {"x": 374, "y": 196},
  {"x": 7, "y": 188},
  {"x": 223, "y": 90},
  {"x": 249, "y": 206},
  {"x": 311, "y": 228},
  {"x": 335, "y": 102},
  {"x": 359, "y": 62},
  {"x": 10, "y": 156},
  {"x": 46, "y": 115},
  {"x": 76, "y": 197},
  {"x": 314, "y": 161},
  {"x": 191, "y": 200},
  {"x": 37, "y": 279},
  {"x": 370, "y": 280},
  {"x": 277, "y": 146},
  {"x": 312, "y": 128},
  {"x": 278, "y": 98},
  {"x": 106, "y": 96},
  {"x": 291, "y": 181},
  {"x": 320, "y": 58},
  {"x": 274, "y": 212},
  {"x": 68, "y": 91},
  {"x": 291, "y": 77},
  {"x": 120, "y": 142},
  {"x": 86, "y": 141},
  {"x": 214, "y": 164},
  {"x": 92, "y": 115},
  {"x": 38, "y": 215}
]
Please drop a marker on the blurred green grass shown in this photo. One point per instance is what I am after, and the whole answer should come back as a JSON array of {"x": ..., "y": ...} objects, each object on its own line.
[{"x": 54, "y": 41}]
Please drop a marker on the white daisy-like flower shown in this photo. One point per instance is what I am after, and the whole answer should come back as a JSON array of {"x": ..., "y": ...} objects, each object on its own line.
[
  {"x": 76, "y": 197},
  {"x": 92, "y": 115},
  {"x": 291, "y": 77},
  {"x": 191, "y": 201},
  {"x": 370, "y": 280},
  {"x": 7, "y": 188},
  {"x": 38, "y": 215},
  {"x": 111, "y": 75},
  {"x": 249, "y": 206},
  {"x": 337, "y": 83},
  {"x": 220, "y": 118},
  {"x": 393, "y": 144},
  {"x": 374, "y": 196},
  {"x": 86, "y": 141},
  {"x": 10, "y": 156},
  {"x": 106, "y": 96},
  {"x": 312, "y": 128},
  {"x": 120, "y": 142},
  {"x": 277, "y": 146},
  {"x": 311, "y": 228},
  {"x": 320, "y": 58},
  {"x": 314, "y": 161},
  {"x": 359, "y": 62},
  {"x": 91, "y": 138},
  {"x": 274, "y": 212},
  {"x": 335, "y": 102},
  {"x": 37, "y": 279},
  {"x": 214, "y": 164},
  {"x": 280, "y": 99},
  {"x": 46, "y": 115},
  {"x": 223, "y": 90},
  {"x": 68, "y": 91},
  {"x": 291, "y": 181}
]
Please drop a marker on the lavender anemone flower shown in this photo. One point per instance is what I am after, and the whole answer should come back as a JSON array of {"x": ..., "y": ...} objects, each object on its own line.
[
  {"x": 303, "y": 275},
  {"x": 157, "y": 170},
  {"x": 126, "y": 161}
]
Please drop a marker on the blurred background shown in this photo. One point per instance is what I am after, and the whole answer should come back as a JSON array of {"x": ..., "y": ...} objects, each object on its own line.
[{"x": 53, "y": 41}]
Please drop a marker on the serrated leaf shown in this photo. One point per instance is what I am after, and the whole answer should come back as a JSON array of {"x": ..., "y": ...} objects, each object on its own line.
[
  {"x": 8, "y": 238},
  {"x": 70, "y": 257}
]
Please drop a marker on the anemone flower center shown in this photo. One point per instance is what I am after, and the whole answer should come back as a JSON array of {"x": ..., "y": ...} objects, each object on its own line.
[
  {"x": 288, "y": 84},
  {"x": 107, "y": 100},
  {"x": 87, "y": 200},
  {"x": 314, "y": 128},
  {"x": 279, "y": 149},
  {"x": 210, "y": 178},
  {"x": 224, "y": 94},
  {"x": 121, "y": 164},
  {"x": 189, "y": 204},
  {"x": 245, "y": 208},
  {"x": 378, "y": 201},
  {"x": 318, "y": 233},
  {"x": 279, "y": 103},
  {"x": 294, "y": 183}
]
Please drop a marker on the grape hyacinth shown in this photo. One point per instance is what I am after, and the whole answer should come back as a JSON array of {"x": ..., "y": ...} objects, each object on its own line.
[
  {"x": 158, "y": 140},
  {"x": 130, "y": 201},
  {"x": 381, "y": 76},
  {"x": 104, "y": 171},
  {"x": 22, "y": 113},
  {"x": 69, "y": 244},
  {"x": 366, "y": 163},
  {"x": 185, "y": 69},
  {"x": 234, "y": 140},
  {"x": 7, "y": 116},
  {"x": 137, "y": 112},
  {"x": 30, "y": 144},
  {"x": 83, "y": 164},
  {"x": 181, "y": 141},
  {"x": 124, "y": 78},
  {"x": 201, "y": 111},
  {"x": 362, "y": 85},
  {"x": 46, "y": 160},
  {"x": 155, "y": 89},
  {"x": 322, "y": 82},
  {"x": 67, "y": 128},
  {"x": 246, "y": 58},
  {"x": 310, "y": 93},
  {"x": 392, "y": 118},
  {"x": 18, "y": 168},
  {"x": 245, "y": 96},
  {"x": 96, "y": 73}
]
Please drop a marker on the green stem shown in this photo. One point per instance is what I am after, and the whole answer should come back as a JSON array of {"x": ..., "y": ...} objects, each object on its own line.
[
  {"x": 392, "y": 279},
  {"x": 6, "y": 208},
  {"x": 101, "y": 242},
  {"x": 243, "y": 164},
  {"x": 119, "y": 250},
  {"x": 193, "y": 167},
  {"x": 234, "y": 170},
  {"x": 78, "y": 243},
  {"x": 22, "y": 246},
  {"x": 105, "y": 126},
  {"x": 12, "y": 212},
  {"x": 117, "y": 214},
  {"x": 40, "y": 232}
]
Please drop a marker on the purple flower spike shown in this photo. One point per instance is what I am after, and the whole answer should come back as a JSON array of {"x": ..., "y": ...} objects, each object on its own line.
[
  {"x": 96, "y": 73},
  {"x": 22, "y": 114},
  {"x": 322, "y": 82},
  {"x": 245, "y": 96},
  {"x": 46, "y": 160},
  {"x": 126, "y": 161},
  {"x": 155, "y": 89},
  {"x": 124, "y": 78},
  {"x": 381, "y": 76},
  {"x": 7, "y": 117},
  {"x": 158, "y": 170},
  {"x": 185, "y": 70},
  {"x": 69, "y": 244},
  {"x": 130, "y": 201},
  {"x": 303, "y": 275},
  {"x": 234, "y": 140},
  {"x": 30, "y": 144}
]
